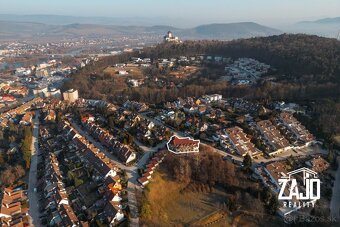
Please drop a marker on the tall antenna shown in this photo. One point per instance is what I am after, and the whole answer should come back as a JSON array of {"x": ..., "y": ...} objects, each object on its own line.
[{"x": 338, "y": 36}]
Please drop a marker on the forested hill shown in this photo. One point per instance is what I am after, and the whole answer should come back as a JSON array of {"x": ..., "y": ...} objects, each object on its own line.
[
  {"x": 300, "y": 57},
  {"x": 300, "y": 60},
  {"x": 293, "y": 55}
]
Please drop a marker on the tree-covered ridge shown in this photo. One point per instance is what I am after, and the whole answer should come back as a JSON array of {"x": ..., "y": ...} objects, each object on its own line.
[
  {"x": 294, "y": 55},
  {"x": 308, "y": 67}
]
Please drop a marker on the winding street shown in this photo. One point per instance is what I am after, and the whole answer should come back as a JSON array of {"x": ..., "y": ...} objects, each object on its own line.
[{"x": 32, "y": 195}]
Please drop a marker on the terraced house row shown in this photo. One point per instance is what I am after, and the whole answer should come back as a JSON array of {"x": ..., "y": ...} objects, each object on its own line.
[
  {"x": 124, "y": 153},
  {"x": 105, "y": 171},
  {"x": 240, "y": 142},
  {"x": 12, "y": 211},
  {"x": 55, "y": 195},
  {"x": 297, "y": 128},
  {"x": 150, "y": 167},
  {"x": 273, "y": 136},
  {"x": 90, "y": 154}
]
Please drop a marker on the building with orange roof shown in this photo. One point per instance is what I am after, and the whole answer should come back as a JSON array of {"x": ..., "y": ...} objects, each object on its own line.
[{"x": 183, "y": 145}]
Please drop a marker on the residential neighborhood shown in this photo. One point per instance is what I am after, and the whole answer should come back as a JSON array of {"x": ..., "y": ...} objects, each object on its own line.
[
  {"x": 93, "y": 153},
  {"x": 169, "y": 113}
]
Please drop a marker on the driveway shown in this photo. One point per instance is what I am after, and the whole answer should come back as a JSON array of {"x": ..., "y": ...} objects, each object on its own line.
[{"x": 32, "y": 182}]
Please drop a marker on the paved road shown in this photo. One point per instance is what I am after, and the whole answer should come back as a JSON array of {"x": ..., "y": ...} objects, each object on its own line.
[
  {"x": 335, "y": 202},
  {"x": 148, "y": 151},
  {"x": 131, "y": 172},
  {"x": 32, "y": 183}
]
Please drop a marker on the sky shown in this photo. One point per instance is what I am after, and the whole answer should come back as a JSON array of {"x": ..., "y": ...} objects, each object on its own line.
[{"x": 268, "y": 12}]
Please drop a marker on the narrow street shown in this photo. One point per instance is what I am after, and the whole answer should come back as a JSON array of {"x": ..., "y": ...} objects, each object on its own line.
[
  {"x": 335, "y": 202},
  {"x": 32, "y": 195}
]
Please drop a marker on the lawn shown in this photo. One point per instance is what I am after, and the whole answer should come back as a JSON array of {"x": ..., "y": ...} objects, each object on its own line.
[{"x": 169, "y": 207}]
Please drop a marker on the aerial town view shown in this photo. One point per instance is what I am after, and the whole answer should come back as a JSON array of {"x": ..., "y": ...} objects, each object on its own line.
[{"x": 182, "y": 113}]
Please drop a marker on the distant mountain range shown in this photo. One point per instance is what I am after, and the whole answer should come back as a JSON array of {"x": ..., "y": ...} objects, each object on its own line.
[
  {"x": 334, "y": 20},
  {"x": 328, "y": 27},
  {"x": 12, "y": 29},
  {"x": 229, "y": 31},
  {"x": 65, "y": 20},
  {"x": 55, "y": 26}
]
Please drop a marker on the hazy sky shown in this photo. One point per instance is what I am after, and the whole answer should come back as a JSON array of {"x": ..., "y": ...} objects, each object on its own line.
[{"x": 268, "y": 12}]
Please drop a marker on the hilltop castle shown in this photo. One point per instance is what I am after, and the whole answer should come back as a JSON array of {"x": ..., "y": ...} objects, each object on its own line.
[{"x": 170, "y": 38}]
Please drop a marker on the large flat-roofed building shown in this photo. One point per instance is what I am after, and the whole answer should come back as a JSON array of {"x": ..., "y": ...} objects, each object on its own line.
[
  {"x": 240, "y": 141},
  {"x": 273, "y": 136},
  {"x": 71, "y": 95}
]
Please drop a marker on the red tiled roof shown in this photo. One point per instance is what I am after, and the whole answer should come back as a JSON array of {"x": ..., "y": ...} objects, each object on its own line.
[{"x": 183, "y": 141}]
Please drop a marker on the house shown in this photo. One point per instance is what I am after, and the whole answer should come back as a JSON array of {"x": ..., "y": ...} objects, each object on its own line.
[
  {"x": 27, "y": 118},
  {"x": 318, "y": 164},
  {"x": 7, "y": 98},
  {"x": 113, "y": 213},
  {"x": 184, "y": 145},
  {"x": 105, "y": 169},
  {"x": 50, "y": 115},
  {"x": 12, "y": 211},
  {"x": 143, "y": 181},
  {"x": 147, "y": 175},
  {"x": 61, "y": 197},
  {"x": 189, "y": 108},
  {"x": 126, "y": 155},
  {"x": 202, "y": 109},
  {"x": 113, "y": 183},
  {"x": 69, "y": 218}
]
